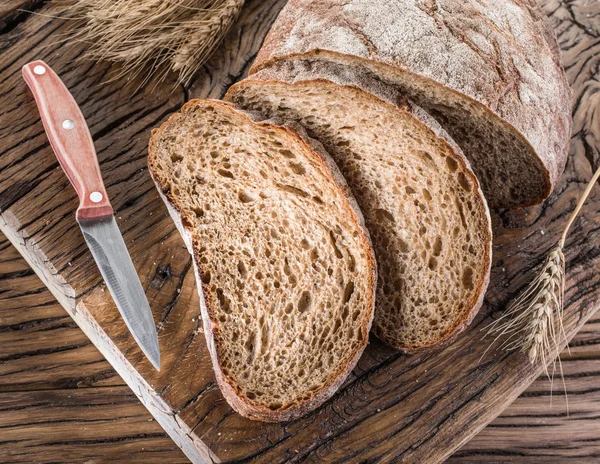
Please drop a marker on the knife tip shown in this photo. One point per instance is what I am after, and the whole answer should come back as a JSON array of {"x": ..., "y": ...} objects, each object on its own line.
[{"x": 155, "y": 361}]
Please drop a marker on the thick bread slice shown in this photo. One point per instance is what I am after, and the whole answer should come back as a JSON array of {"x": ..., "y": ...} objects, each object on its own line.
[
  {"x": 490, "y": 72},
  {"x": 285, "y": 270},
  {"x": 422, "y": 203}
]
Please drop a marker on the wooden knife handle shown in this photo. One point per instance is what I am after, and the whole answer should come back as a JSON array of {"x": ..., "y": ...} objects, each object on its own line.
[{"x": 70, "y": 139}]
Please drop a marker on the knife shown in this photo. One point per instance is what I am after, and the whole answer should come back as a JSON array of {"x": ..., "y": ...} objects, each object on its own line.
[{"x": 73, "y": 145}]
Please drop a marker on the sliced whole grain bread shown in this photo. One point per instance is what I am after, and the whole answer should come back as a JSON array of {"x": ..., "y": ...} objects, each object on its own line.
[
  {"x": 490, "y": 72},
  {"x": 284, "y": 266},
  {"x": 423, "y": 206}
]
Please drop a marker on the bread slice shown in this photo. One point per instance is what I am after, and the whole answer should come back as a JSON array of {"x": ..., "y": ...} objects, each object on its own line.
[
  {"x": 427, "y": 216},
  {"x": 490, "y": 72},
  {"x": 284, "y": 266}
]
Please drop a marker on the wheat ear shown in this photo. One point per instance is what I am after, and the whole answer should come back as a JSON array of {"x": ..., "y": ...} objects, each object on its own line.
[
  {"x": 533, "y": 322},
  {"x": 152, "y": 37}
]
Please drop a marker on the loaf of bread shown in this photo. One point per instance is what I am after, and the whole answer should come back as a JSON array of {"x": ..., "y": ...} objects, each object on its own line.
[
  {"x": 490, "y": 72},
  {"x": 423, "y": 206},
  {"x": 284, "y": 266}
]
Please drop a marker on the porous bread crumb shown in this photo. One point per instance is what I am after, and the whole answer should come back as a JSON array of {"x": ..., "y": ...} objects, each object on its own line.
[
  {"x": 422, "y": 204},
  {"x": 285, "y": 267}
]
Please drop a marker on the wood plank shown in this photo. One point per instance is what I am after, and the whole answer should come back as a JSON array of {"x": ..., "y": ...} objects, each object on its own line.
[
  {"x": 537, "y": 429},
  {"x": 537, "y": 426},
  {"x": 531, "y": 429},
  {"x": 87, "y": 425},
  {"x": 44, "y": 351},
  {"x": 12, "y": 11},
  {"x": 42, "y": 348},
  {"x": 414, "y": 408},
  {"x": 534, "y": 426}
]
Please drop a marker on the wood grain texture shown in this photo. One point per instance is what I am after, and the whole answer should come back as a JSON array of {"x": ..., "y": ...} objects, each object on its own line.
[
  {"x": 42, "y": 348},
  {"x": 99, "y": 424},
  {"x": 536, "y": 427},
  {"x": 13, "y": 11},
  {"x": 393, "y": 407},
  {"x": 35, "y": 340}
]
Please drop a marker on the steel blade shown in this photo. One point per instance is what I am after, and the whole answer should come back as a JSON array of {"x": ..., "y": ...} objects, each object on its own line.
[{"x": 108, "y": 248}]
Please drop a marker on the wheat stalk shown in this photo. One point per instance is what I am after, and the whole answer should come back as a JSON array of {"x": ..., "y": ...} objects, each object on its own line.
[
  {"x": 533, "y": 322},
  {"x": 154, "y": 37}
]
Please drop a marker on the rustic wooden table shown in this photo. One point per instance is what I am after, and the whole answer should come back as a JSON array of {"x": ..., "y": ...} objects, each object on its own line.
[{"x": 61, "y": 402}]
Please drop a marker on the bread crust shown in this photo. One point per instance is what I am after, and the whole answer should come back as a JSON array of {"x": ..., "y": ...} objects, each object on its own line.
[
  {"x": 326, "y": 75},
  {"x": 210, "y": 326},
  {"x": 501, "y": 57}
]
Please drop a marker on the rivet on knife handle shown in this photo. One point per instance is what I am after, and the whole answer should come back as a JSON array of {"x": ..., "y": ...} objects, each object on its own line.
[{"x": 70, "y": 139}]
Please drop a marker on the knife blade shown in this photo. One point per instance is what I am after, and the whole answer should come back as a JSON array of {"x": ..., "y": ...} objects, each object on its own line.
[{"x": 72, "y": 143}]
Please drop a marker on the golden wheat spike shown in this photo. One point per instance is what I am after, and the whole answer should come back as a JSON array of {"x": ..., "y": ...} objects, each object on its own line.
[
  {"x": 533, "y": 322},
  {"x": 153, "y": 36}
]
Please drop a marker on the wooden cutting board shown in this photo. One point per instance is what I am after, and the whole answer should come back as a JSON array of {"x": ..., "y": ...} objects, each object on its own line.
[{"x": 393, "y": 407}]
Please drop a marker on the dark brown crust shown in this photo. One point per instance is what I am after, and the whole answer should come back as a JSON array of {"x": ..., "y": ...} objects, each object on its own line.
[
  {"x": 471, "y": 52},
  {"x": 226, "y": 384},
  {"x": 394, "y": 102}
]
